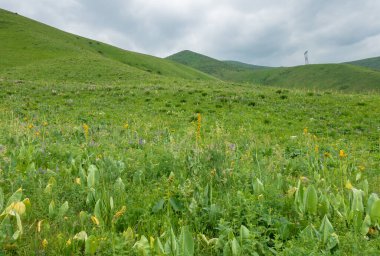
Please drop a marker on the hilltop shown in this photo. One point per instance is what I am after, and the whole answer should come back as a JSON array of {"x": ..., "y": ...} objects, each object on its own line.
[
  {"x": 373, "y": 63},
  {"x": 225, "y": 70},
  {"x": 341, "y": 77},
  {"x": 32, "y": 50}
]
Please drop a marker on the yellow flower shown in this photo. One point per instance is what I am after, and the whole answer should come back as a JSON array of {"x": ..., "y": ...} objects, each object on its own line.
[
  {"x": 39, "y": 226},
  {"x": 327, "y": 154},
  {"x": 30, "y": 126},
  {"x": 77, "y": 181},
  {"x": 348, "y": 185},
  {"x": 45, "y": 123},
  {"x": 342, "y": 154},
  {"x": 120, "y": 212},
  {"x": 85, "y": 130},
  {"x": 95, "y": 220},
  {"x": 126, "y": 125},
  {"x": 305, "y": 131},
  {"x": 316, "y": 149},
  {"x": 361, "y": 168},
  {"x": 68, "y": 243},
  {"x": 44, "y": 243},
  {"x": 37, "y": 133}
]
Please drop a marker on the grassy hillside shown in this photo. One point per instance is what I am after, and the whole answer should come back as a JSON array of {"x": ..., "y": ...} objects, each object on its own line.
[
  {"x": 323, "y": 77},
  {"x": 224, "y": 70},
  {"x": 373, "y": 63},
  {"x": 342, "y": 77},
  {"x": 30, "y": 49}
]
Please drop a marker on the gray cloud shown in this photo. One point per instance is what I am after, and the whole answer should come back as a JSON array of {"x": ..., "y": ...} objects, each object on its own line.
[{"x": 269, "y": 32}]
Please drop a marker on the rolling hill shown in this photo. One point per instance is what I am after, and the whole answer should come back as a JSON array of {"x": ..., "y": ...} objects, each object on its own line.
[
  {"x": 341, "y": 77},
  {"x": 32, "y": 50},
  {"x": 373, "y": 63},
  {"x": 224, "y": 70}
]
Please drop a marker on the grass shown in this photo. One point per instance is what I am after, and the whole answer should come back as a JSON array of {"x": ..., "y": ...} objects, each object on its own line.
[
  {"x": 337, "y": 77},
  {"x": 373, "y": 63},
  {"x": 151, "y": 164}
]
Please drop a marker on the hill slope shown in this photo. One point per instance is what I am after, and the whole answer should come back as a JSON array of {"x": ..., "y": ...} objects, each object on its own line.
[
  {"x": 342, "y": 77},
  {"x": 373, "y": 63},
  {"x": 224, "y": 70},
  {"x": 31, "y": 50}
]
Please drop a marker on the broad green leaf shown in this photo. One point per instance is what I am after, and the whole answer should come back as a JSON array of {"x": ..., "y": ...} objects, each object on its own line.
[
  {"x": 332, "y": 241},
  {"x": 98, "y": 211},
  {"x": 258, "y": 186},
  {"x": 52, "y": 209},
  {"x": 111, "y": 203},
  {"x": 299, "y": 198},
  {"x": 375, "y": 212},
  {"x": 16, "y": 197},
  {"x": 158, "y": 247},
  {"x": 19, "y": 224},
  {"x": 244, "y": 232},
  {"x": 235, "y": 247},
  {"x": 91, "y": 245},
  {"x": 311, "y": 200},
  {"x": 366, "y": 225},
  {"x": 326, "y": 229},
  {"x": 158, "y": 206},
  {"x": 129, "y": 235},
  {"x": 371, "y": 200},
  {"x": 176, "y": 204},
  {"x": 186, "y": 242},
  {"x": 16, "y": 235},
  {"x": 357, "y": 200},
  {"x": 92, "y": 176},
  {"x": 171, "y": 245},
  {"x": 309, "y": 233},
  {"x": 63, "y": 209},
  {"x": 324, "y": 206},
  {"x": 81, "y": 236},
  {"x": 142, "y": 246}
]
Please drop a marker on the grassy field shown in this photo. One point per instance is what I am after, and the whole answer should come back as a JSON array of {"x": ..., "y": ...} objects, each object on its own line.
[
  {"x": 373, "y": 63},
  {"x": 178, "y": 163}
]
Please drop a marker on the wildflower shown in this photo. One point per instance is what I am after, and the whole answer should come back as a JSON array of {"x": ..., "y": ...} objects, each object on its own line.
[
  {"x": 77, "y": 181},
  {"x": 260, "y": 197},
  {"x": 126, "y": 125},
  {"x": 327, "y": 154},
  {"x": 213, "y": 172},
  {"x": 95, "y": 220},
  {"x": 39, "y": 226},
  {"x": 342, "y": 154},
  {"x": 44, "y": 123},
  {"x": 304, "y": 179},
  {"x": 361, "y": 168},
  {"x": 199, "y": 121},
  {"x": 37, "y": 133},
  {"x": 291, "y": 191},
  {"x": 44, "y": 243},
  {"x": 85, "y": 130},
  {"x": 316, "y": 149},
  {"x": 120, "y": 212},
  {"x": 30, "y": 126},
  {"x": 348, "y": 185},
  {"x": 305, "y": 131},
  {"x": 68, "y": 242}
]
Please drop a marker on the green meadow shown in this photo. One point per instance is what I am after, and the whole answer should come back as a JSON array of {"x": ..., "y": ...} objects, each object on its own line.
[{"x": 110, "y": 152}]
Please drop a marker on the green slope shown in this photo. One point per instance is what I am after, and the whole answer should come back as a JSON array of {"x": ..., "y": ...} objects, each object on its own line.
[
  {"x": 323, "y": 76},
  {"x": 342, "y": 77},
  {"x": 224, "y": 70},
  {"x": 30, "y": 49},
  {"x": 373, "y": 63}
]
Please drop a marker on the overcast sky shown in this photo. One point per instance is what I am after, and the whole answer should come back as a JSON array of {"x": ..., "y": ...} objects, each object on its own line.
[{"x": 270, "y": 32}]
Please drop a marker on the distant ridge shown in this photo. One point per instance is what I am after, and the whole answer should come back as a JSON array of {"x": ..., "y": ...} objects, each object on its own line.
[
  {"x": 350, "y": 77},
  {"x": 373, "y": 63},
  {"x": 224, "y": 70}
]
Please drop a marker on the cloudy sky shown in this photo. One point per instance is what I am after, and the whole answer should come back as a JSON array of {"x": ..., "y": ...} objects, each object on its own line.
[{"x": 271, "y": 32}]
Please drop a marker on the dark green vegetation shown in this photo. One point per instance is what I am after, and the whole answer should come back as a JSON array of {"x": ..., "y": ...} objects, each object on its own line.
[
  {"x": 337, "y": 77},
  {"x": 373, "y": 63},
  {"x": 224, "y": 70},
  {"x": 161, "y": 165}
]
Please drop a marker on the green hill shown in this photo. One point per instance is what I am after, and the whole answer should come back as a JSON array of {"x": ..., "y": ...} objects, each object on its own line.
[
  {"x": 373, "y": 63},
  {"x": 342, "y": 77},
  {"x": 224, "y": 70},
  {"x": 31, "y": 50}
]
